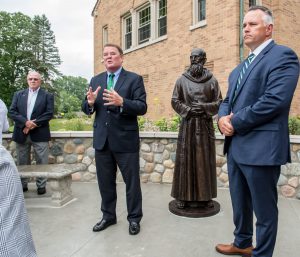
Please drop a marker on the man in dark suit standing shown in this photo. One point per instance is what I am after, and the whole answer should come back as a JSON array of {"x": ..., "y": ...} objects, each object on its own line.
[
  {"x": 117, "y": 97},
  {"x": 31, "y": 110},
  {"x": 254, "y": 120}
]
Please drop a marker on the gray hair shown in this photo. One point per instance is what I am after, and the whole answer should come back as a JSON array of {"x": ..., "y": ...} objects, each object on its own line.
[
  {"x": 268, "y": 16},
  {"x": 35, "y": 72}
]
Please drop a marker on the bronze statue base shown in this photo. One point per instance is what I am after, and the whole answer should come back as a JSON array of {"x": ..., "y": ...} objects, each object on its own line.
[{"x": 194, "y": 212}]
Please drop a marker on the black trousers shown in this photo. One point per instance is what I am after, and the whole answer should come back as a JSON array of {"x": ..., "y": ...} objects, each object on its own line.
[{"x": 128, "y": 163}]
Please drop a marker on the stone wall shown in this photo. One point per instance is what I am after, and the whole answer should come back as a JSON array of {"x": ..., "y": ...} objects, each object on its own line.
[{"x": 157, "y": 158}]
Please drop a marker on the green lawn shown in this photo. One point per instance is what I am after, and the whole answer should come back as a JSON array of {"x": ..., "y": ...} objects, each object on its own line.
[{"x": 77, "y": 124}]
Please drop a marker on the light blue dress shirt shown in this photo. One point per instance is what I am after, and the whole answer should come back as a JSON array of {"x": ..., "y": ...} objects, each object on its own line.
[{"x": 32, "y": 95}]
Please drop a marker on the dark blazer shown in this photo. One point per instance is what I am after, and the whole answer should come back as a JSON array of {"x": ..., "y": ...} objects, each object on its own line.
[
  {"x": 261, "y": 107},
  {"x": 42, "y": 113},
  {"x": 118, "y": 125}
]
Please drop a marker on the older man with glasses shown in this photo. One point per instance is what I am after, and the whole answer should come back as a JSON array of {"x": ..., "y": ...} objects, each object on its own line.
[{"x": 31, "y": 110}]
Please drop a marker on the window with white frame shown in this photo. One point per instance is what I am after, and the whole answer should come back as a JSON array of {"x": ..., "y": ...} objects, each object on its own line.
[
  {"x": 104, "y": 35},
  {"x": 199, "y": 14},
  {"x": 144, "y": 25},
  {"x": 162, "y": 18}
]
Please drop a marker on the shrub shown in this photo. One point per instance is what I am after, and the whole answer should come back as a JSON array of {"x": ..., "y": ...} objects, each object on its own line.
[
  {"x": 141, "y": 122},
  {"x": 174, "y": 123},
  {"x": 162, "y": 124},
  {"x": 70, "y": 115},
  {"x": 294, "y": 126}
]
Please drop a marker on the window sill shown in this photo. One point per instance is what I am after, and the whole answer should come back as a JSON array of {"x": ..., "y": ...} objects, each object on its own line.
[
  {"x": 150, "y": 42},
  {"x": 200, "y": 24}
]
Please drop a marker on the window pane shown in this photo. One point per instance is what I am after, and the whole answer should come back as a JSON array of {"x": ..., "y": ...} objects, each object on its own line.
[
  {"x": 144, "y": 31},
  {"x": 128, "y": 25},
  {"x": 252, "y": 2},
  {"x": 128, "y": 41},
  {"x": 104, "y": 35},
  {"x": 162, "y": 8},
  {"x": 128, "y": 33},
  {"x": 201, "y": 10},
  {"x": 144, "y": 34},
  {"x": 162, "y": 26},
  {"x": 144, "y": 16},
  {"x": 162, "y": 18}
]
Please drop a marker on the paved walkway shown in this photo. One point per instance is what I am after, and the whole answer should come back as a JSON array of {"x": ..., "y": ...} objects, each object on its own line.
[{"x": 67, "y": 231}]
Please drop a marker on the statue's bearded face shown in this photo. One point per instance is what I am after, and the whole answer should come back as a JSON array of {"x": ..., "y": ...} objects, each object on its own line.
[
  {"x": 197, "y": 62},
  {"x": 196, "y": 70}
]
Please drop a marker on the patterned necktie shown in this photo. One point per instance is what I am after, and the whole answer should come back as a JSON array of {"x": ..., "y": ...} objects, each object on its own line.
[
  {"x": 243, "y": 71},
  {"x": 110, "y": 84}
]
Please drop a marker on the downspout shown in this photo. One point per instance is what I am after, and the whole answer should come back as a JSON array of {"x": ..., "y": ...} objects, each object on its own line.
[{"x": 241, "y": 42}]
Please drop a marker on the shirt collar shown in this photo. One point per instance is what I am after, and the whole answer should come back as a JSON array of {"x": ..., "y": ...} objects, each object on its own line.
[
  {"x": 34, "y": 91},
  {"x": 117, "y": 73},
  {"x": 261, "y": 47}
]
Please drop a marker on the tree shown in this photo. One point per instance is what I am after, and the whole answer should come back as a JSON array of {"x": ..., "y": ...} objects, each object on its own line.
[
  {"x": 67, "y": 103},
  {"x": 15, "y": 53},
  {"x": 25, "y": 44},
  {"x": 46, "y": 55},
  {"x": 76, "y": 86},
  {"x": 71, "y": 91}
]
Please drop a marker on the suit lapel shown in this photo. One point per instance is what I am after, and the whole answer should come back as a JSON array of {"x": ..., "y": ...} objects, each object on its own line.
[
  {"x": 23, "y": 104},
  {"x": 248, "y": 72},
  {"x": 121, "y": 80},
  {"x": 101, "y": 81},
  {"x": 38, "y": 100},
  {"x": 236, "y": 75}
]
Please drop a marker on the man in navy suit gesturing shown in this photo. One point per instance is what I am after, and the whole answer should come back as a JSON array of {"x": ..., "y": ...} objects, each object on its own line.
[
  {"x": 117, "y": 97},
  {"x": 254, "y": 120}
]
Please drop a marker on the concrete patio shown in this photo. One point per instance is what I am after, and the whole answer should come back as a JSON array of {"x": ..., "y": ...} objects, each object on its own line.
[{"x": 67, "y": 231}]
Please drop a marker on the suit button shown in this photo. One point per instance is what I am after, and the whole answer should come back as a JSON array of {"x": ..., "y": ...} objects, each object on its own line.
[
  {"x": 106, "y": 123},
  {"x": 108, "y": 111}
]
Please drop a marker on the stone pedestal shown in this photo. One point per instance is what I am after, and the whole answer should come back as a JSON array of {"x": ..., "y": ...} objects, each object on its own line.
[
  {"x": 194, "y": 212},
  {"x": 61, "y": 190}
]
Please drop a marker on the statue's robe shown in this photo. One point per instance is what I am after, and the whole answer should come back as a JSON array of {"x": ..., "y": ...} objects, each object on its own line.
[{"x": 196, "y": 101}]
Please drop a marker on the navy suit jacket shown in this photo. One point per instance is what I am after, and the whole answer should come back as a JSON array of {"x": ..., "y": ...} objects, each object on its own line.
[
  {"x": 261, "y": 107},
  {"x": 42, "y": 113},
  {"x": 118, "y": 125}
]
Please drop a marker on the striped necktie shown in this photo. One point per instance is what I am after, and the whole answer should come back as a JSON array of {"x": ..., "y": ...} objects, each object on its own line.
[
  {"x": 110, "y": 84},
  {"x": 243, "y": 71}
]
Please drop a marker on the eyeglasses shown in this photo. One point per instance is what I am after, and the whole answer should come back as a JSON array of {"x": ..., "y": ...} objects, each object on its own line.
[{"x": 34, "y": 79}]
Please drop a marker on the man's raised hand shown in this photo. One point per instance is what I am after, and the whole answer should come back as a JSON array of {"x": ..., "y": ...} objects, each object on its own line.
[{"x": 91, "y": 96}]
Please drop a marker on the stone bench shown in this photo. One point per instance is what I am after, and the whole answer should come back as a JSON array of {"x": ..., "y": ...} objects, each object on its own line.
[{"x": 59, "y": 177}]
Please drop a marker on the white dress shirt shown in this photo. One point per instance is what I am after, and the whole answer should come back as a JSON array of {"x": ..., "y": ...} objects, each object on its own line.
[{"x": 261, "y": 47}]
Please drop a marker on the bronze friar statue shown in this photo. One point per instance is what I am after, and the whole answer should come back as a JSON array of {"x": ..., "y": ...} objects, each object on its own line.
[{"x": 196, "y": 98}]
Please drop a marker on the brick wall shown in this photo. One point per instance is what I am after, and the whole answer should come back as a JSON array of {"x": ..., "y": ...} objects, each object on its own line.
[{"x": 162, "y": 63}]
